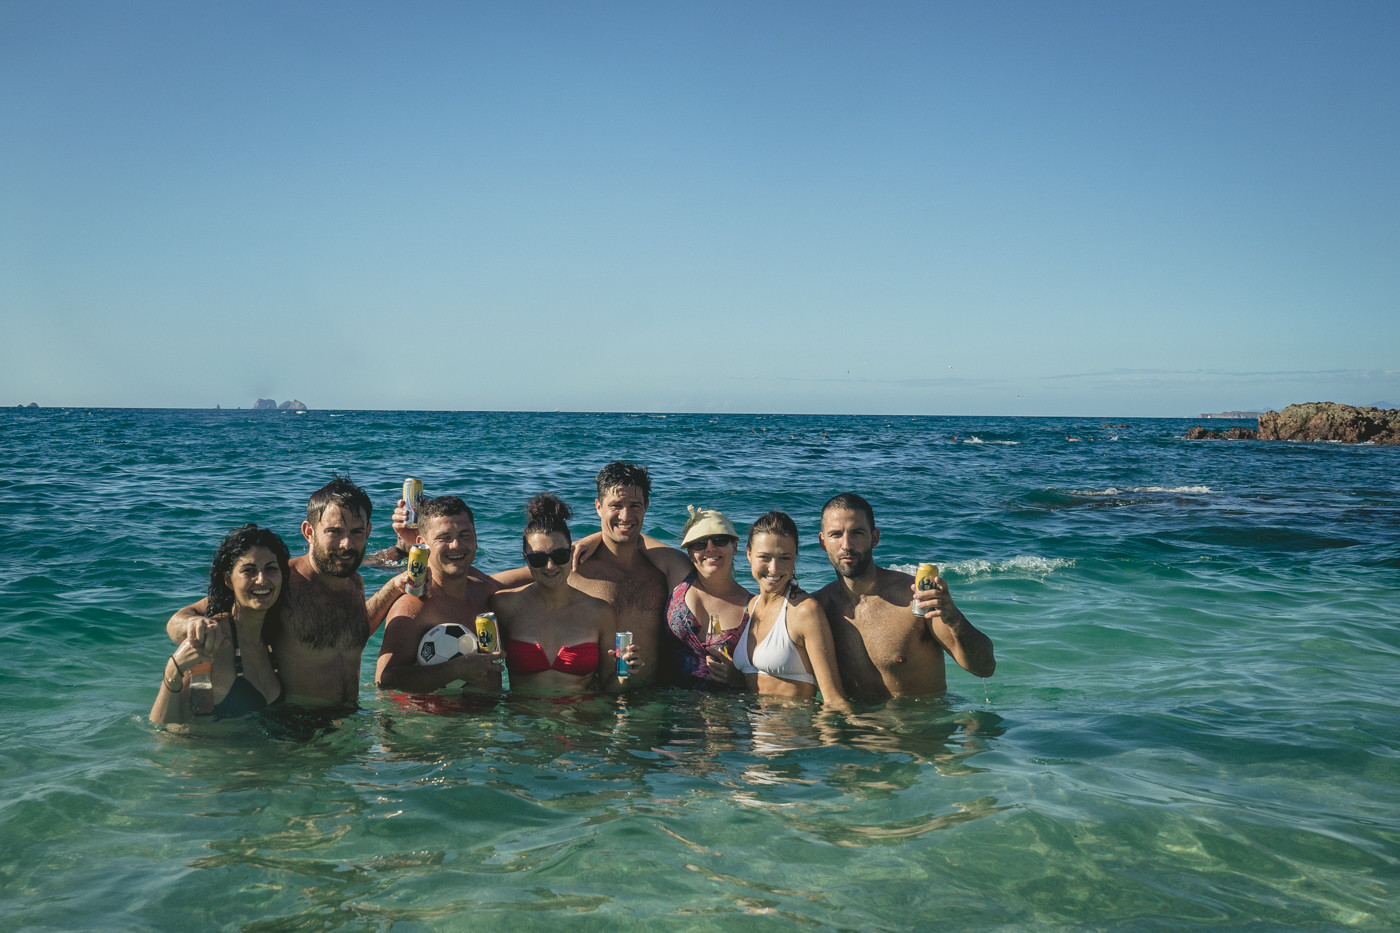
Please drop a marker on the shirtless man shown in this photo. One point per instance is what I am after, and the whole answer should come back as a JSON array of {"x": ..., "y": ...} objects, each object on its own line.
[
  {"x": 882, "y": 648},
  {"x": 617, "y": 573},
  {"x": 457, "y": 592},
  {"x": 326, "y": 621}
]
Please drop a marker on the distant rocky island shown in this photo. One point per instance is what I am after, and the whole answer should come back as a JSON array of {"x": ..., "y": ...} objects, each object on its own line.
[
  {"x": 1231, "y": 414},
  {"x": 268, "y": 404},
  {"x": 1316, "y": 421}
]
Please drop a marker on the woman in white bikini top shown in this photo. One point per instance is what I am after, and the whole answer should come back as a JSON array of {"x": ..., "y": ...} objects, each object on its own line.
[{"x": 785, "y": 647}]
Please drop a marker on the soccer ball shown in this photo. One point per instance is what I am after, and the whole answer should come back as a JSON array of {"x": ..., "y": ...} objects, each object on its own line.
[{"x": 445, "y": 642}]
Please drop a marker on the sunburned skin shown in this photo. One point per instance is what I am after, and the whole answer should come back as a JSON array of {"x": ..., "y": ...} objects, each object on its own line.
[{"x": 884, "y": 650}]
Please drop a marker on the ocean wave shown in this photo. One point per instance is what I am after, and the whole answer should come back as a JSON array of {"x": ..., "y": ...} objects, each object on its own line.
[
  {"x": 1022, "y": 565},
  {"x": 1115, "y": 491},
  {"x": 978, "y": 440}
]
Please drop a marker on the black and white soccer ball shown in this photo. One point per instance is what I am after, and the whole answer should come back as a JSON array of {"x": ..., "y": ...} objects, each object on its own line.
[{"x": 445, "y": 642}]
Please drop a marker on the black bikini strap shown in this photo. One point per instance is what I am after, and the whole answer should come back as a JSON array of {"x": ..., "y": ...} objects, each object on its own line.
[{"x": 237, "y": 654}]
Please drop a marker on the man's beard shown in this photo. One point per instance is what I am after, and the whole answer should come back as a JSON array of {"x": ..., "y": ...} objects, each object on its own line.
[
  {"x": 335, "y": 566},
  {"x": 857, "y": 569}
]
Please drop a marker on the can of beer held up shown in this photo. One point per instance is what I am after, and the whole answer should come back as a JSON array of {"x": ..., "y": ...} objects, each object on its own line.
[
  {"x": 622, "y": 643},
  {"x": 488, "y": 634},
  {"x": 923, "y": 580},
  {"x": 412, "y": 500},
  {"x": 417, "y": 570}
]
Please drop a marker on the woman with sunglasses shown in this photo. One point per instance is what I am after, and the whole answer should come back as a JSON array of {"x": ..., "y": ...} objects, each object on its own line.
[{"x": 558, "y": 640}]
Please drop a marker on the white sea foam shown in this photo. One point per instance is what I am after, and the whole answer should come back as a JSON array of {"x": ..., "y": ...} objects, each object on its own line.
[
  {"x": 1115, "y": 491},
  {"x": 1023, "y": 565},
  {"x": 978, "y": 440}
]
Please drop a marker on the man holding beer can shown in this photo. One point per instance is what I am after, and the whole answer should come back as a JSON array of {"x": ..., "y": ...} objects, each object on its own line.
[
  {"x": 891, "y": 630},
  {"x": 456, "y": 592}
]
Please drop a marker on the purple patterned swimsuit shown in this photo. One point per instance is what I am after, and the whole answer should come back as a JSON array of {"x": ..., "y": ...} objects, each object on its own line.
[{"x": 690, "y": 638}]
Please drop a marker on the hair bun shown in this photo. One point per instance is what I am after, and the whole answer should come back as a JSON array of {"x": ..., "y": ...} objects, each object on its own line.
[{"x": 548, "y": 508}]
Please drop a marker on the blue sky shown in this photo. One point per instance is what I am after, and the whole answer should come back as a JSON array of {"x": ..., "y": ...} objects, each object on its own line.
[{"x": 1150, "y": 209}]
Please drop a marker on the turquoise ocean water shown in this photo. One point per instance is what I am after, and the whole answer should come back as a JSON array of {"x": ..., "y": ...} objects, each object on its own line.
[{"x": 1194, "y": 724}]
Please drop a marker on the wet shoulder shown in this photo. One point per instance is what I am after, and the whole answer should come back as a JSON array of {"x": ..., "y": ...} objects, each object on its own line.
[
  {"x": 804, "y": 608},
  {"x": 832, "y": 598},
  {"x": 406, "y": 607},
  {"x": 895, "y": 587}
]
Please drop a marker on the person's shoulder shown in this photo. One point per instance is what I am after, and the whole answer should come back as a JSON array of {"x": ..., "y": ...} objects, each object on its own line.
[
  {"x": 407, "y": 607},
  {"x": 484, "y": 580},
  {"x": 593, "y": 604},
  {"x": 503, "y": 598},
  {"x": 805, "y": 605},
  {"x": 829, "y": 594},
  {"x": 890, "y": 575},
  {"x": 894, "y": 585}
]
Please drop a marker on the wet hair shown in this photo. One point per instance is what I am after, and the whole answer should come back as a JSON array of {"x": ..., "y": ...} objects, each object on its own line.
[
  {"x": 442, "y": 507},
  {"x": 235, "y": 544},
  {"x": 546, "y": 514},
  {"x": 850, "y": 502},
  {"x": 339, "y": 491},
  {"x": 773, "y": 523},
  {"x": 624, "y": 473}
]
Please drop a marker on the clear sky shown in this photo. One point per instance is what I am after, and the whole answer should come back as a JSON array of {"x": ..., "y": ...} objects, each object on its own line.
[{"x": 999, "y": 208}]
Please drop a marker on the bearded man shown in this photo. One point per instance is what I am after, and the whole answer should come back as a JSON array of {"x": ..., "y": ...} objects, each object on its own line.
[
  {"x": 326, "y": 621},
  {"x": 882, "y": 648}
]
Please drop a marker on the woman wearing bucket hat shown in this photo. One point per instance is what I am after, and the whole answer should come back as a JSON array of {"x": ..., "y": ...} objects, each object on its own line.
[{"x": 706, "y": 610}]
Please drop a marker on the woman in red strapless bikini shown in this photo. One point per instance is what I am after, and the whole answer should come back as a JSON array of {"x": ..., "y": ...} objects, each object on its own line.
[{"x": 558, "y": 640}]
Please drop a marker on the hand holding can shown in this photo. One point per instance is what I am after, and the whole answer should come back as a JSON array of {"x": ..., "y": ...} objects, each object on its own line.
[
  {"x": 413, "y": 500},
  {"x": 621, "y": 644}
]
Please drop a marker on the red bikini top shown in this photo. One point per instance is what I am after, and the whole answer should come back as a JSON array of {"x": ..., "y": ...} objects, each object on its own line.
[{"x": 527, "y": 657}]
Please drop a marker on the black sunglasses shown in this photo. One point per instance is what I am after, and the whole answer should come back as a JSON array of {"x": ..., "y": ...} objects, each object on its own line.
[
  {"x": 541, "y": 559},
  {"x": 699, "y": 544}
]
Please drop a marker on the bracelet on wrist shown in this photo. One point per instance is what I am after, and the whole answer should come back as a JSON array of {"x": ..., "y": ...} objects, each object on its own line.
[
  {"x": 177, "y": 666},
  {"x": 166, "y": 684}
]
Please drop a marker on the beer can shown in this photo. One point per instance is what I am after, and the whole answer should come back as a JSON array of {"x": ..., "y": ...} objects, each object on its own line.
[
  {"x": 488, "y": 634},
  {"x": 923, "y": 580},
  {"x": 417, "y": 570},
  {"x": 412, "y": 500},
  {"x": 622, "y": 643}
]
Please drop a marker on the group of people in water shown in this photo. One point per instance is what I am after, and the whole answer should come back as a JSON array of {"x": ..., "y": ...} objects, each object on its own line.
[{"x": 273, "y": 628}]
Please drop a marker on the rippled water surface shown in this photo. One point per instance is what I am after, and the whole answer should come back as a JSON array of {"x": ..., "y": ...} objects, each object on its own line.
[{"x": 1194, "y": 723}]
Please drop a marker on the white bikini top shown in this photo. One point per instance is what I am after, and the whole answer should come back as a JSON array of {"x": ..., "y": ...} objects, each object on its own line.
[{"x": 776, "y": 655}]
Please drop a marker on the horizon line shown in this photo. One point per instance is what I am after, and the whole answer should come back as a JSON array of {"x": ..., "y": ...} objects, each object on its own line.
[{"x": 1248, "y": 413}]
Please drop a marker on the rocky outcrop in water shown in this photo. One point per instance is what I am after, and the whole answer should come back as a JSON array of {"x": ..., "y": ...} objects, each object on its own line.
[
  {"x": 1328, "y": 421},
  {"x": 1199, "y": 433},
  {"x": 270, "y": 404}
]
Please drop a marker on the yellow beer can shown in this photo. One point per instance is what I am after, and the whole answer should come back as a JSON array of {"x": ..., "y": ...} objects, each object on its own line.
[
  {"x": 488, "y": 634},
  {"x": 417, "y": 570},
  {"x": 923, "y": 580}
]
